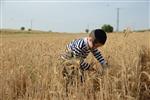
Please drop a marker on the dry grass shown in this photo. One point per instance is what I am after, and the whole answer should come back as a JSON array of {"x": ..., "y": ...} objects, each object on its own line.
[{"x": 30, "y": 68}]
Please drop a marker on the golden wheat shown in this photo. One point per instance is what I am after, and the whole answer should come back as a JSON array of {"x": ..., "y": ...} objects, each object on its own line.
[{"x": 30, "y": 68}]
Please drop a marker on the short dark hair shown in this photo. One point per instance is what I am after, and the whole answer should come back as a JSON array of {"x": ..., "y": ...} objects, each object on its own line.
[{"x": 99, "y": 36}]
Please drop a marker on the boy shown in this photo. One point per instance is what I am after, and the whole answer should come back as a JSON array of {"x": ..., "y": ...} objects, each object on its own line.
[{"x": 80, "y": 48}]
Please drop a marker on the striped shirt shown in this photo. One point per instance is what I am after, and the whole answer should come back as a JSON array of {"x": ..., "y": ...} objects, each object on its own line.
[{"x": 80, "y": 48}]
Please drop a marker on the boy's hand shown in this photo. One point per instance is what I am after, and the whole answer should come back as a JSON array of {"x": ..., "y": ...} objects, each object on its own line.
[
  {"x": 105, "y": 66},
  {"x": 102, "y": 70}
]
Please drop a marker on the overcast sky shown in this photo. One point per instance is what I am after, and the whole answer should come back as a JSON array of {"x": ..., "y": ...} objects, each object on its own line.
[{"x": 74, "y": 15}]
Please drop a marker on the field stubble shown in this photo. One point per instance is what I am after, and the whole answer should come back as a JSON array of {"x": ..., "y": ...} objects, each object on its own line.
[{"x": 30, "y": 68}]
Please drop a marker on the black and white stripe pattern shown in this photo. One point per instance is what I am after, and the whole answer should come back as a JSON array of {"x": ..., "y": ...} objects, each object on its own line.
[
  {"x": 80, "y": 49},
  {"x": 98, "y": 56}
]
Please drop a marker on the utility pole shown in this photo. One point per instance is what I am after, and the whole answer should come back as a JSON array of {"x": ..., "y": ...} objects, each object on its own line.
[
  {"x": 1, "y": 12},
  {"x": 31, "y": 24},
  {"x": 117, "y": 28},
  {"x": 88, "y": 26},
  {"x": 87, "y": 29}
]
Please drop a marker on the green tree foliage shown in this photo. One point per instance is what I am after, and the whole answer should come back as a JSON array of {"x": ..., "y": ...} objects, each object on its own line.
[
  {"x": 29, "y": 29},
  {"x": 107, "y": 28},
  {"x": 22, "y": 28},
  {"x": 87, "y": 30}
]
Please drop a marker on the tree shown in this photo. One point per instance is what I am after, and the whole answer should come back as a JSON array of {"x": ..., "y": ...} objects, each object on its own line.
[
  {"x": 50, "y": 31},
  {"x": 29, "y": 29},
  {"x": 22, "y": 28},
  {"x": 107, "y": 28},
  {"x": 87, "y": 30}
]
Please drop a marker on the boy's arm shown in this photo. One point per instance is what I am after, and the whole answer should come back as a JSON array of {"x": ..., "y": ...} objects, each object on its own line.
[
  {"x": 99, "y": 57},
  {"x": 84, "y": 65}
]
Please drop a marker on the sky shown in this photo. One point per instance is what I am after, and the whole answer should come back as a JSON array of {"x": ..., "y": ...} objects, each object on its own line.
[{"x": 74, "y": 15}]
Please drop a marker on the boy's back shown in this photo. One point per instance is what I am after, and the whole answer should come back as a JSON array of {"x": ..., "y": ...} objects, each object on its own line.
[{"x": 80, "y": 48}]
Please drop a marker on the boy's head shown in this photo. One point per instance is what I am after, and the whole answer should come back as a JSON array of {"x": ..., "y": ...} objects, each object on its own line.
[{"x": 97, "y": 38}]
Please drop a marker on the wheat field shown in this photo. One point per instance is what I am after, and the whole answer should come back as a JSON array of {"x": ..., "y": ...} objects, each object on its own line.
[{"x": 30, "y": 68}]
